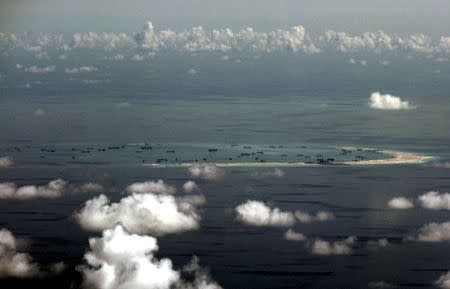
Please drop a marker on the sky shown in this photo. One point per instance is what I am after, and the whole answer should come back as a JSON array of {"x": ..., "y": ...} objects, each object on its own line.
[{"x": 354, "y": 16}]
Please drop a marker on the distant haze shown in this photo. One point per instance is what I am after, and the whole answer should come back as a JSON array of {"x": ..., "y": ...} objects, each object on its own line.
[{"x": 355, "y": 16}]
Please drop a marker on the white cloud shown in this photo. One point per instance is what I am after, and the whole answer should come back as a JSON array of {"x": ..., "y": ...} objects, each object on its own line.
[
  {"x": 142, "y": 213},
  {"x": 380, "y": 285},
  {"x": 200, "y": 277},
  {"x": 433, "y": 232},
  {"x": 388, "y": 102},
  {"x": 321, "y": 247},
  {"x": 443, "y": 281},
  {"x": 151, "y": 187},
  {"x": 248, "y": 40},
  {"x": 39, "y": 112},
  {"x": 192, "y": 71},
  {"x": 375, "y": 244},
  {"x": 120, "y": 260},
  {"x": 54, "y": 189},
  {"x": 89, "y": 188},
  {"x": 6, "y": 162},
  {"x": 44, "y": 69},
  {"x": 190, "y": 186},
  {"x": 137, "y": 57},
  {"x": 435, "y": 201},
  {"x": 14, "y": 264},
  {"x": 256, "y": 213},
  {"x": 291, "y": 235},
  {"x": 444, "y": 165},
  {"x": 123, "y": 105},
  {"x": 82, "y": 69},
  {"x": 275, "y": 173},
  {"x": 321, "y": 216},
  {"x": 206, "y": 171},
  {"x": 118, "y": 57},
  {"x": 400, "y": 203}
]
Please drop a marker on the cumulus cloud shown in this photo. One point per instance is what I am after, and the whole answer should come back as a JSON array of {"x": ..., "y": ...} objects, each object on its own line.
[
  {"x": 6, "y": 162},
  {"x": 198, "y": 39},
  {"x": 190, "y": 186},
  {"x": 443, "y": 281},
  {"x": 275, "y": 173},
  {"x": 435, "y": 201},
  {"x": 151, "y": 187},
  {"x": 256, "y": 213},
  {"x": 122, "y": 260},
  {"x": 201, "y": 278},
  {"x": 44, "y": 69},
  {"x": 291, "y": 235},
  {"x": 54, "y": 189},
  {"x": 388, "y": 102},
  {"x": 14, "y": 264},
  {"x": 321, "y": 247},
  {"x": 206, "y": 171},
  {"x": 432, "y": 232},
  {"x": 400, "y": 203},
  {"x": 320, "y": 216},
  {"x": 431, "y": 200},
  {"x": 142, "y": 213},
  {"x": 82, "y": 69}
]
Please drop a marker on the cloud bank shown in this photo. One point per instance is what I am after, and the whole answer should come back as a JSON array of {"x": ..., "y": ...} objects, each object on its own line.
[{"x": 247, "y": 40}]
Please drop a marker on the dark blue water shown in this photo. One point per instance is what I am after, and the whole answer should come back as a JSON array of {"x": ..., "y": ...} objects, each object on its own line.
[{"x": 319, "y": 102}]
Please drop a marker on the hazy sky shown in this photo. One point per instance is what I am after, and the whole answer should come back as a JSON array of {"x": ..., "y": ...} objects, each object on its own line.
[{"x": 402, "y": 16}]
